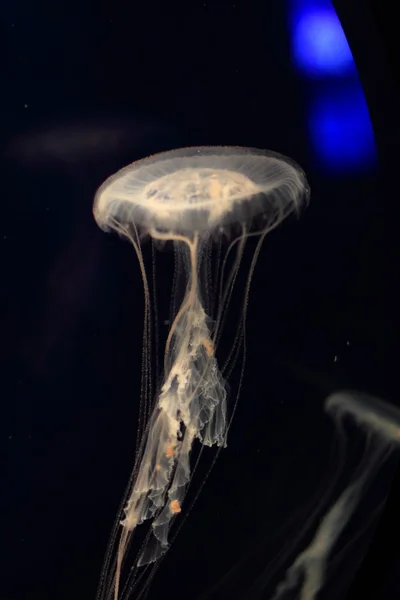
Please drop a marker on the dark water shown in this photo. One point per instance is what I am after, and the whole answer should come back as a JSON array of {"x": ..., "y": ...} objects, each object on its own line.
[{"x": 87, "y": 89}]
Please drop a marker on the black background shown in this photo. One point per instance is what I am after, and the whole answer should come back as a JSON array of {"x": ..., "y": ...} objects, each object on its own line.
[{"x": 87, "y": 88}]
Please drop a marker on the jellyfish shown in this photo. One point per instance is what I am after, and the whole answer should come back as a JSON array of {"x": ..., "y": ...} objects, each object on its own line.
[
  {"x": 195, "y": 199},
  {"x": 381, "y": 423},
  {"x": 325, "y": 544}
]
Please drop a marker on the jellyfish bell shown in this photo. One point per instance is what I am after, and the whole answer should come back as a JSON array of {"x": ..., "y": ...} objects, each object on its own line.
[
  {"x": 190, "y": 197},
  {"x": 200, "y": 190}
]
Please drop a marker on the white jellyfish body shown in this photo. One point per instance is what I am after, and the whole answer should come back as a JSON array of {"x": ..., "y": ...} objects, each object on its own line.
[
  {"x": 196, "y": 190},
  {"x": 189, "y": 196}
]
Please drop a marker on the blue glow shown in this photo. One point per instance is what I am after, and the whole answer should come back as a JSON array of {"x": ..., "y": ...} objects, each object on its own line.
[
  {"x": 341, "y": 130},
  {"x": 319, "y": 44}
]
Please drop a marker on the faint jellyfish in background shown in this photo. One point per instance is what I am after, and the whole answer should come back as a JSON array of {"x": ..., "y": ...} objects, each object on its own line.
[
  {"x": 380, "y": 424},
  {"x": 198, "y": 199},
  {"x": 334, "y": 525}
]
